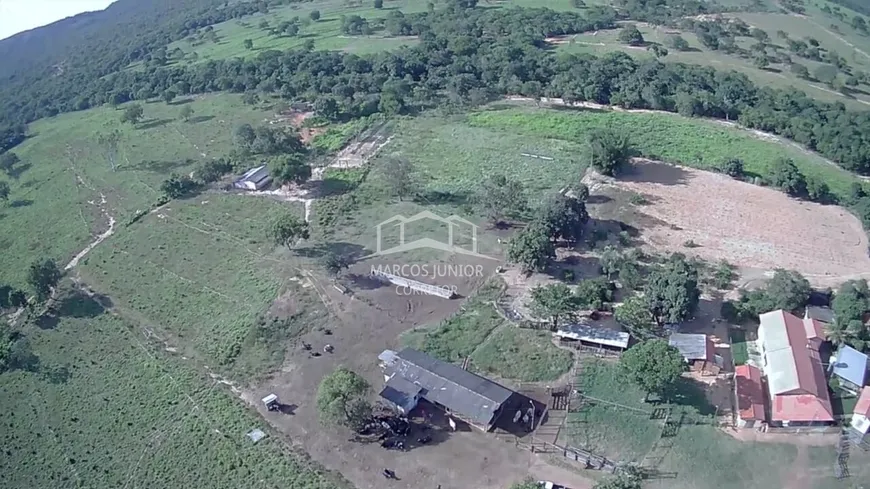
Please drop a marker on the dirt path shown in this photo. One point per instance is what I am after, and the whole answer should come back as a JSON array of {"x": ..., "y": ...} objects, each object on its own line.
[{"x": 754, "y": 132}]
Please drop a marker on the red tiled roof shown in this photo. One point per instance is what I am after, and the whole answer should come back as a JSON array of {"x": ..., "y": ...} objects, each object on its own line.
[
  {"x": 804, "y": 407},
  {"x": 863, "y": 406},
  {"x": 814, "y": 329},
  {"x": 809, "y": 401},
  {"x": 750, "y": 394}
]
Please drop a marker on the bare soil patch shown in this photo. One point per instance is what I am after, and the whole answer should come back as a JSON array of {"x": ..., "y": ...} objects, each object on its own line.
[
  {"x": 748, "y": 225},
  {"x": 363, "y": 324}
]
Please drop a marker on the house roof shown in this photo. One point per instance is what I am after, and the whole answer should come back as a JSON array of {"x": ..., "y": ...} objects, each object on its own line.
[
  {"x": 400, "y": 391},
  {"x": 794, "y": 367},
  {"x": 823, "y": 314},
  {"x": 750, "y": 393},
  {"x": 691, "y": 346},
  {"x": 802, "y": 407},
  {"x": 594, "y": 334},
  {"x": 850, "y": 365},
  {"x": 459, "y": 390},
  {"x": 255, "y": 175},
  {"x": 863, "y": 405}
]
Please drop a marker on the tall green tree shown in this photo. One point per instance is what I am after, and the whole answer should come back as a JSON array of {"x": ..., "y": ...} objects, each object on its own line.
[
  {"x": 671, "y": 292},
  {"x": 634, "y": 315},
  {"x": 4, "y": 191},
  {"x": 288, "y": 230},
  {"x": 499, "y": 198},
  {"x": 631, "y": 36},
  {"x": 341, "y": 399},
  {"x": 532, "y": 249},
  {"x": 8, "y": 161},
  {"x": 787, "y": 290},
  {"x": 610, "y": 151},
  {"x": 186, "y": 113},
  {"x": 290, "y": 168},
  {"x": 553, "y": 302},
  {"x": 563, "y": 217},
  {"x": 653, "y": 365},
  {"x": 785, "y": 176},
  {"x": 133, "y": 114},
  {"x": 43, "y": 276}
]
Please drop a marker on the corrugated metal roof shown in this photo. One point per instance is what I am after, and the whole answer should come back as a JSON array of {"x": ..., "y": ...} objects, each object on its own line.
[
  {"x": 463, "y": 392},
  {"x": 594, "y": 334},
  {"x": 400, "y": 391},
  {"x": 823, "y": 314},
  {"x": 795, "y": 375},
  {"x": 850, "y": 365},
  {"x": 691, "y": 346},
  {"x": 750, "y": 393}
]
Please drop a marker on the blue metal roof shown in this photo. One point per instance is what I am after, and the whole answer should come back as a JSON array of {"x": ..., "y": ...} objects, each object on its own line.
[{"x": 851, "y": 365}]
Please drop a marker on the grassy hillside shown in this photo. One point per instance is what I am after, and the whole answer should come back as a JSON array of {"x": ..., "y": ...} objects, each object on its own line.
[
  {"x": 698, "y": 143},
  {"x": 101, "y": 407},
  {"x": 776, "y": 75}
]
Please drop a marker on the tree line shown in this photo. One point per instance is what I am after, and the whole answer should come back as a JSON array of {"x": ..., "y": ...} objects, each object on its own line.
[{"x": 473, "y": 55}]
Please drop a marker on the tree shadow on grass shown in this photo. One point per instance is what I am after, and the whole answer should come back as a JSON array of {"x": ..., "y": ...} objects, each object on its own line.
[
  {"x": 436, "y": 197},
  {"x": 74, "y": 303},
  {"x": 154, "y": 166},
  {"x": 688, "y": 392},
  {"x": 201, "y": 118},
  {"x": 181, "y": 101},
  {"x": 15, "y": 204},
  {"x": 351, "y": 251},
  {"x": 153, "y": 124},
  {"x": 16, "y": 172}
]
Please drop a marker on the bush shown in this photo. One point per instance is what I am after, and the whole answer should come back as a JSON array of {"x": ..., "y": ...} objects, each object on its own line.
[{"x": 733, "y": 167}]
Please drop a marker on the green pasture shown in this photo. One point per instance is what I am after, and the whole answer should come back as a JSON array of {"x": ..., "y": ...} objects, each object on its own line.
[
  {"x": 100, "y": 406},
  {"x": 668, "y": 137}
]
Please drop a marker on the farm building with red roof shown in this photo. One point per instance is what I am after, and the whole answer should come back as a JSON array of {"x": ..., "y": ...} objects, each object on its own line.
[
  {"x": 796, "y": 381},
  {"x": 749, "y": 392}
]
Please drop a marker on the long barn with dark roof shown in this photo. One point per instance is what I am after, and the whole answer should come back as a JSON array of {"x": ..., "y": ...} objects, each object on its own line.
[{"x": 412, "y": 375}]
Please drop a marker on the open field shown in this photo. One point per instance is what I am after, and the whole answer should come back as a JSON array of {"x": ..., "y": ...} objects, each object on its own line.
[
  {"x": 699, "y": 453},
  {"x": 117, "y": 412},
  {"x": 522, "y": 354},
  {"x": 204, "y": 269},
  {"x": 67, "y": 172},
  {"x": 666, "y": 137},
  {"x": 745, "y": 224},
  {"x": 776, "y": 75}
]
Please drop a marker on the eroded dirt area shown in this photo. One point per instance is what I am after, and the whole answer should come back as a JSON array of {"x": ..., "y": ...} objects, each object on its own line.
[
  {"x": 367, "y": 319},
  {"x": 715, "y": 217}
]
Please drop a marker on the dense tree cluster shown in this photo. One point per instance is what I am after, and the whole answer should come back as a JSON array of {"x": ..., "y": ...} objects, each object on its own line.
[
  {"x": 787, "y": 290},
  {"x": 469, "y": 56},
  {"x": 850, "y": 305}
]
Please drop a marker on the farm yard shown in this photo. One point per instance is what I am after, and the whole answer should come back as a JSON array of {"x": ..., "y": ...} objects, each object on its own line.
[{"x": 185, "y": 293}]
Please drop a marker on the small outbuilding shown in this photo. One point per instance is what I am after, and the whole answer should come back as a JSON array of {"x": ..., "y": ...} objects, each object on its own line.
[
  {"x": 861, "y": 415},
  {"x": 698, "y": 350},
  {"x": 749, "y": 393},
  {"x": 254, "y": 179},
  {"x": 818, "y": 313},
  {"x": 401, "y": 393},
  {"x": 850, "y": 367},
  {"x": 592, "y": 337}
]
